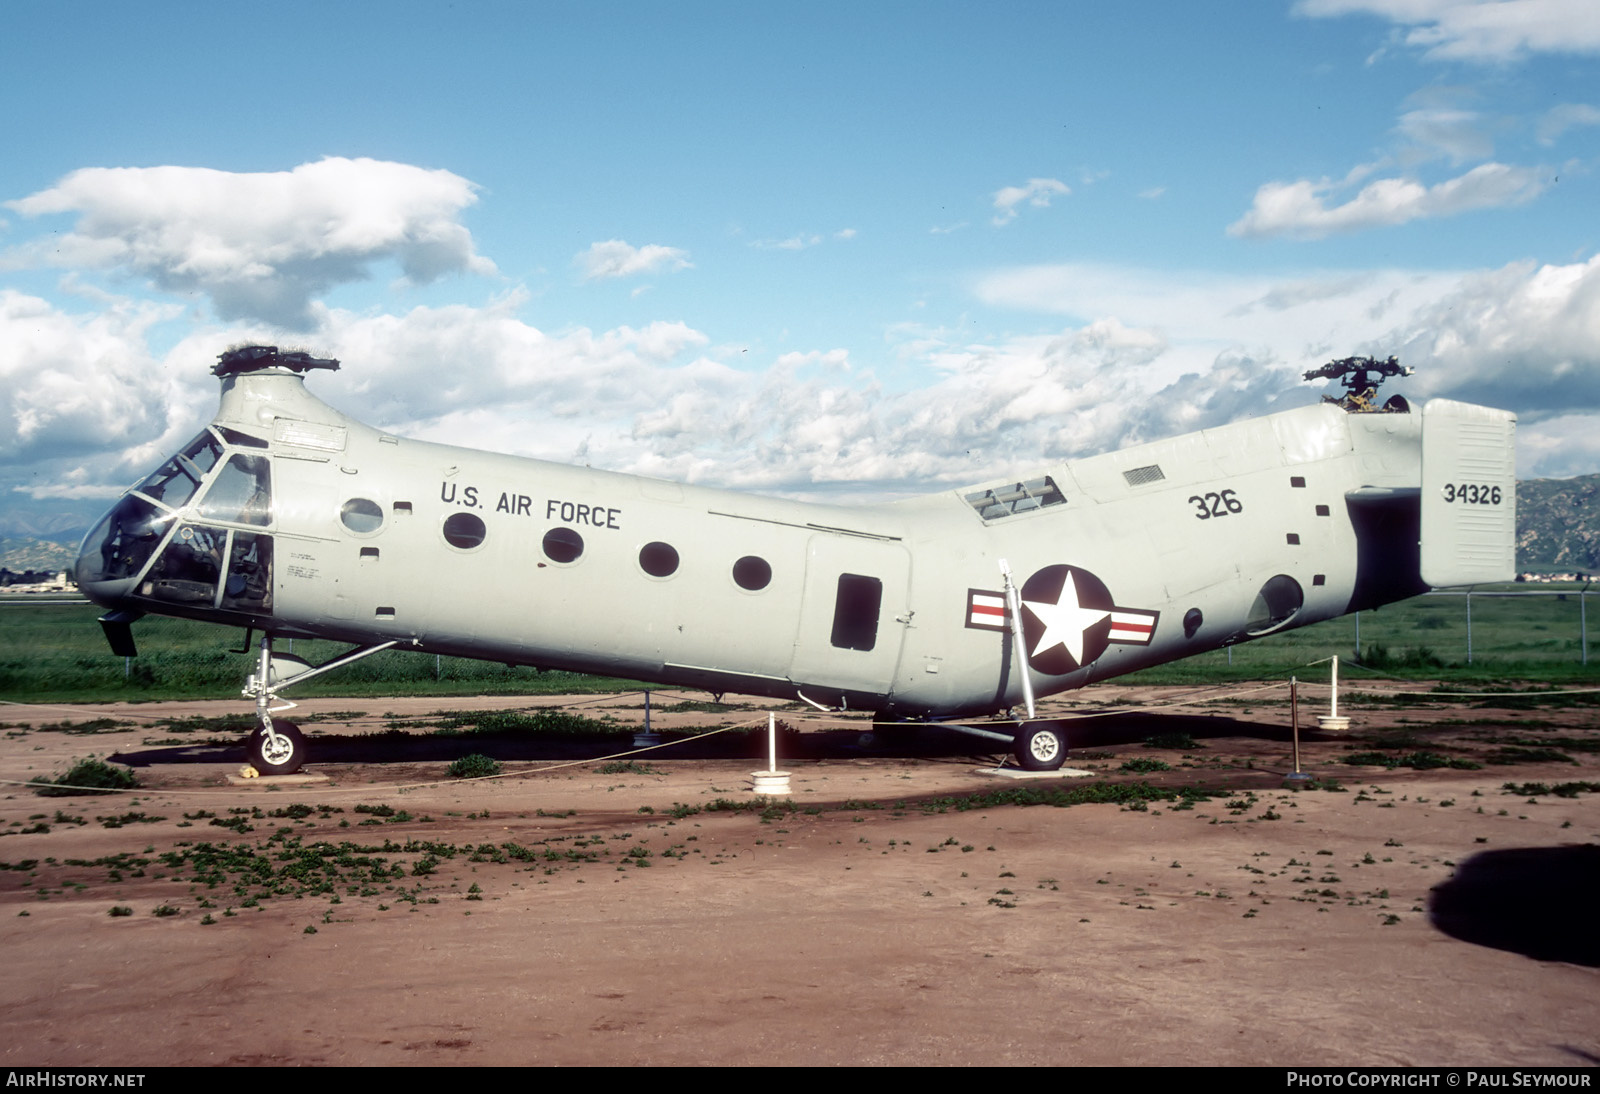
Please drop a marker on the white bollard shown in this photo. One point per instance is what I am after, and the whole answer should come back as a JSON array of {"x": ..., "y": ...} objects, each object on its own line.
[
  {"x": 771, "y": 782},
  {"x": 1331, "y": 722}
]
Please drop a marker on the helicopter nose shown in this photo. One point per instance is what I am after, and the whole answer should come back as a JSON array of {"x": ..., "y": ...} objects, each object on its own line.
[
  {"x": 94, "y": 582},
  {"x": 94, "y": 585},
  {"x": 115, "y": 551}
]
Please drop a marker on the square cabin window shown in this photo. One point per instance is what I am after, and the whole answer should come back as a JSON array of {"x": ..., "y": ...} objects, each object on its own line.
[{"x": 855, "y": 612}]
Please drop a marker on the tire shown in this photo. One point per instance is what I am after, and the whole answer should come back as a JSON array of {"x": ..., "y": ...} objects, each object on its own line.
[
  {"x": 1040, "y": 747},
  {"x": 283, "y": 754}
]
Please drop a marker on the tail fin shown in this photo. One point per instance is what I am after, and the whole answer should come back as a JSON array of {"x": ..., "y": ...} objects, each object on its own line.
[{"x": 1469, "y": 494}]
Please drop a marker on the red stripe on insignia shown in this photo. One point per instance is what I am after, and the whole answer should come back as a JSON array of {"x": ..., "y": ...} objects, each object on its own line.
[
  {"x": 986, "y": 611},
  {"x": 1136, "y": 627}
]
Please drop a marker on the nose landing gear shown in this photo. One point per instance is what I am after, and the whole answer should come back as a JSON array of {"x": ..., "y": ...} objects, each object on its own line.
[{"x": 276, "y": 746}]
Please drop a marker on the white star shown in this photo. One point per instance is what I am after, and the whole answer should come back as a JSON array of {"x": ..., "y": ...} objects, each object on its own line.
[{"x": 1064, "y": 621}]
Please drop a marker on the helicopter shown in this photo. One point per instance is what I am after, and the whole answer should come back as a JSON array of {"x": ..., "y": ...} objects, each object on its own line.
[{"x": 290, "y": 519}]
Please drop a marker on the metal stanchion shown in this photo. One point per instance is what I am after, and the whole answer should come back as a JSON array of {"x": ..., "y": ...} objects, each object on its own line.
[{"x": 1296, "y": 777}]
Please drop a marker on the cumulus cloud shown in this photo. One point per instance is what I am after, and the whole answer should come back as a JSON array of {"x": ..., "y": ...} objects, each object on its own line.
[
  {"x": 263, "y": 245},
  {"x": 1525, "y": 336},
  {"x": 1137, "y": 355},
  {"x": 75, "y": 384},
  {"x": 1473, "y": 30},
  {"x": 615, "y": 258},
  {"x": 414, "y": 371},
  {"x": 1036, "y": 192},
  {"x": 1559, "y": 448},
  {"x": 1158, "y": 353},
  {"x": 1299, "y": 210}
]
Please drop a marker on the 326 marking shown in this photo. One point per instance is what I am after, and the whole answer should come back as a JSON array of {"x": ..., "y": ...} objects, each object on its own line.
[{"x": 1216, "y": 504}]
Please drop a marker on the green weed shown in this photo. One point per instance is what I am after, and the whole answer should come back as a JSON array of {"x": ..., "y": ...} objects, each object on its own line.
[
  {"x": 90, "y": 776},
  {"x": 475, "y": 766}
]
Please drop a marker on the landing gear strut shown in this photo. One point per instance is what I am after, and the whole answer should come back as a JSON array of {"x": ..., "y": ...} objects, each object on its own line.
[{"x": 276, "y": 745}]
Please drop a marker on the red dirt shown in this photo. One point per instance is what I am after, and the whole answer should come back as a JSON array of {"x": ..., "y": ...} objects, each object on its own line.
[{"x": 1292, "y": 930}]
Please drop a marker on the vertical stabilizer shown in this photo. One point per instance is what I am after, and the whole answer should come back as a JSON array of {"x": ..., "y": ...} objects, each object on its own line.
[{"x": 1469, "y": 494}]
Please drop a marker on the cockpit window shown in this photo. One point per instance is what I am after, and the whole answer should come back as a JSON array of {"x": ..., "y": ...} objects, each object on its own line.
[
  {"x": 188, "y": 570},
  {"x": 248, "y": 587},
  {"x": 122, "y": 542},
  {"x": 177, "y": 479},
  {"x": 242, "y": 492}
]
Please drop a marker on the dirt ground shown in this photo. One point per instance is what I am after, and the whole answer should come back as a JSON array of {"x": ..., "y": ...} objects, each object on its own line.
[{"x": 568, "y": 916}]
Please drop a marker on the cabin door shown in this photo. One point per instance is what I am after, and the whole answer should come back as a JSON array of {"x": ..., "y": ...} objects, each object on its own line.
[{"x": 853, "y": 616}]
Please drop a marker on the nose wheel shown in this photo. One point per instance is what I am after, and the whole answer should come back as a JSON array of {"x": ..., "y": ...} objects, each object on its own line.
[{"x": 278, "y": 748}]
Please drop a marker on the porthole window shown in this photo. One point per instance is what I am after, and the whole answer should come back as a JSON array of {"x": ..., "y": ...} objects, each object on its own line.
[
  {"x": 464, "y": 530},
  {"x": 658, "y": 559},
  {"x": 361, "y": 516},
  {"x": 752, "y": 573},
  {"x": 563, "y": 545}
]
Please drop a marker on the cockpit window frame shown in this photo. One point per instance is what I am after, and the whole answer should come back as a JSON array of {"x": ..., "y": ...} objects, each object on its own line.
[
  {"x": 251, "y": 512},
  {"x": 210, "y": 559},
  {"x": 183, "y": 465}
]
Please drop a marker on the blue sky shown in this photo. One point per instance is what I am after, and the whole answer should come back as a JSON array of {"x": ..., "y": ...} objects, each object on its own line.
[{"x": 818, "y": 249}]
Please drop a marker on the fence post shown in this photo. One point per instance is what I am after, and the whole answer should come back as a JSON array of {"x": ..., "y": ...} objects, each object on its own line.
[{"x": 1583, "y": 622}]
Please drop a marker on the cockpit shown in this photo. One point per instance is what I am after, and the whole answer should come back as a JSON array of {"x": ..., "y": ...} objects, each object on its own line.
[{"x": 193, "y": 535}]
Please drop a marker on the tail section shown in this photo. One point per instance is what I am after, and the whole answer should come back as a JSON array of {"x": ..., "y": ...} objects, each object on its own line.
[{"x": 1469, "y": 494}]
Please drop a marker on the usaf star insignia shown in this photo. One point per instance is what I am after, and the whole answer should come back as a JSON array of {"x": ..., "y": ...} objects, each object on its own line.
[{"x": 1069, "y": 618}]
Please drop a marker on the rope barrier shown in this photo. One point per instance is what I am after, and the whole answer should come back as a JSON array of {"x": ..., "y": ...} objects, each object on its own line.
[
  {"x": 400, "y": 788},
  {"x": 803, "y": 717}
]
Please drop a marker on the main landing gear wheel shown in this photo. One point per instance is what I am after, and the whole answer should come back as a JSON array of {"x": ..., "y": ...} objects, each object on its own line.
[
  {"x": 1040, "y": 747},
  {"x": 280, "y": 752}
]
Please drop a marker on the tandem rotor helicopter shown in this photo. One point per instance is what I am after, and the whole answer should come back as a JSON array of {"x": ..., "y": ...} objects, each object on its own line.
[{"x": 288, "y": 518}]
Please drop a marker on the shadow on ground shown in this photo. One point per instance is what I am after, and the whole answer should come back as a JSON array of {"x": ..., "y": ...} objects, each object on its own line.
[
  {"x": 1536, "y": 901},
  {"x": 927, "y": 741}
]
